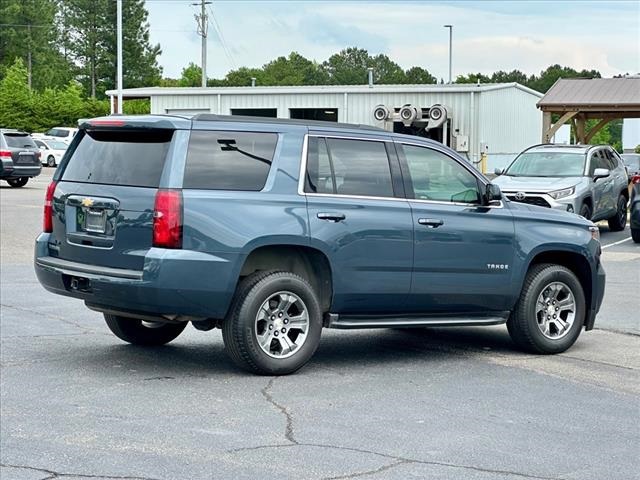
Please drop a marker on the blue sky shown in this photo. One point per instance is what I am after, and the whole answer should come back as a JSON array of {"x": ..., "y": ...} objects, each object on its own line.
[{"x": 488, "y": 35}]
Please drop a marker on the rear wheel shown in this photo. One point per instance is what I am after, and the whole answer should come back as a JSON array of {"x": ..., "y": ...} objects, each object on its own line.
[
  {"x": 18, "y": 182},
  {"x": 619, "y": 220},
  {"x": 139, "y": 332},
  {"x": 274, "y": 324},
  {"x": 51, "y": 161},
  {"x": 550, "y": 312},
  {"x": 585, "y": 211}
]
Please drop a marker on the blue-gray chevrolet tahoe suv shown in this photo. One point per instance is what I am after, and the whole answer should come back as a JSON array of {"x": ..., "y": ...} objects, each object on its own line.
[{"x": 273, "y": 229}]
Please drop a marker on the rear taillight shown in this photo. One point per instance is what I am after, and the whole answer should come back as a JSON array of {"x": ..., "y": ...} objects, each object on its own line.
[
  {"x": 167, "y": 219},
  {"x": 5, "y": 154},
  {"x": 635, "y": 179},
  {"x": 47, "y": 221}
]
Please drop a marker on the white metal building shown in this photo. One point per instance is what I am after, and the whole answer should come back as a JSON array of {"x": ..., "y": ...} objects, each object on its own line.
[{"x": 500, "y": 119}]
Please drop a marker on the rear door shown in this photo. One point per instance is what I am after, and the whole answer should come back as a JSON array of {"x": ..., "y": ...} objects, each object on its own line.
[
  {"x": 357, "y": 216},
  {"x": 464, "y": 251},
  {"x": 104, "y": 201}
]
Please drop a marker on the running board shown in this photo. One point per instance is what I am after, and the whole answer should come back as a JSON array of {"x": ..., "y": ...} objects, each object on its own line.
[{"x": 333, "y": 320}]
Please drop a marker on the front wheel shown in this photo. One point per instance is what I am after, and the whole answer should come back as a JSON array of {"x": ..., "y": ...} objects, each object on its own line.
[
  {"x": 619, "y": 220},
  {"x": 550, "y": 313},
  {"x": 585, "y": 211},
  {"x": 18, "y": 182},
  {"x": 635, "y": 235},
  {"x": 140, "y": 332},
  {"x": 274, "y": 324}
]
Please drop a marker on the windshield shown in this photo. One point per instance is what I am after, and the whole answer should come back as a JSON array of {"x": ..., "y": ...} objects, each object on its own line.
[
  {"x": 57, "y": 145},
  {"x": 547, "y": 164}
]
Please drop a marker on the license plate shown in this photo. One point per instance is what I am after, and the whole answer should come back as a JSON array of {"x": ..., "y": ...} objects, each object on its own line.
[
  {"x": 94, "y": 221},
  {"x": 25, "y": 157}
]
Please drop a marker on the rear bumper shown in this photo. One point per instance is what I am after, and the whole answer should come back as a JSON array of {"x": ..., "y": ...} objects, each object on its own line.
[
  {"x": 597, "y": 296},
  {"x": 20, "y": 171},
  {"x": 172, "y": 282}
]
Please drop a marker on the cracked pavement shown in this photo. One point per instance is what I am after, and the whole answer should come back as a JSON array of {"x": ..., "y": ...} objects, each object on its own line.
[{"x": 76, "y": 403}]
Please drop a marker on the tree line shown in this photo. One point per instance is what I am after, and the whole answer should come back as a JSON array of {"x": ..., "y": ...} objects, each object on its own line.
[{"x": 58, "y": 57}]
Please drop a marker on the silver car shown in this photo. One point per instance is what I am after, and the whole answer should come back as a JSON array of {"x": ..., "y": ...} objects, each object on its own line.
[{"x": 589, "y": 180}]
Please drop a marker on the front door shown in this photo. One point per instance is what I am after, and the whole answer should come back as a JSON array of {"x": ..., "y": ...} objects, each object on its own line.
[
  {"x": 463, "y": 251},
  {"x": 356, "y": 216}
]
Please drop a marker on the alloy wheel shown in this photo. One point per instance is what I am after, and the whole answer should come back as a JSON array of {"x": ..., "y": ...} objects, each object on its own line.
[
  {"x": 555, "y": 310},
  {"x": 282, "y": 324}
]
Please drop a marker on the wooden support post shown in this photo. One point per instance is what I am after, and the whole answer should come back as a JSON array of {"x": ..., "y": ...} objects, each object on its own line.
[
  {"x": 580, "y": 130},
  {"x": 547, "y": 135},
  {"x": 546, "y": 125}
]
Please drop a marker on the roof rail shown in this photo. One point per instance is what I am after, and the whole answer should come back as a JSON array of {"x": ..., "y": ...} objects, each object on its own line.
[{"x": 211, "y": 117}]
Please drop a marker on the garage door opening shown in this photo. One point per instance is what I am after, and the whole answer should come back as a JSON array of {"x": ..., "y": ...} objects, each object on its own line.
[
  {"x": 255, "y": 112},
  {"x": 324, "y": 114}
]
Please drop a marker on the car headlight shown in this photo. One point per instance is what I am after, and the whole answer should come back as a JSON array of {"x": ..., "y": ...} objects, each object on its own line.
[{"x": 565, "y": 192}]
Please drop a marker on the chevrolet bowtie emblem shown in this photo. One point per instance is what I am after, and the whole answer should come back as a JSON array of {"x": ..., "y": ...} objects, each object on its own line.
[{"x": 87, "y": 202}]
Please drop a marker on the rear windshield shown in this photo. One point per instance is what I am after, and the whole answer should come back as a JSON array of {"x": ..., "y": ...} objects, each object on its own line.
[
  {"x": 133, "y": 158},
  {"x": 19, "y": 140}
]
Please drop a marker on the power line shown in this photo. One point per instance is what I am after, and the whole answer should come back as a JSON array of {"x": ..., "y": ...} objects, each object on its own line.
[{"x": 223, "y": 42}]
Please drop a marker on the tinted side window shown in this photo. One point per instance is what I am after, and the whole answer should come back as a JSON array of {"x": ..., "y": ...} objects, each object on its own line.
[
  {"x": 319, "y": 173},
  {"x": 120, "y": 158},
  {"x": 435, "y": 176},
  {"x": 229, "y": 160},
  {"x": 360, "y": 167}
]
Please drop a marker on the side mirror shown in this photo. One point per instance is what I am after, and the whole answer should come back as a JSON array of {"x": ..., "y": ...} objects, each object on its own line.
[
  {"x": 600, "y": 173},
  {"x": 492, "y": 193},
  {"x": 42, "y": 147},
  {"x": 498, "y": 171}
]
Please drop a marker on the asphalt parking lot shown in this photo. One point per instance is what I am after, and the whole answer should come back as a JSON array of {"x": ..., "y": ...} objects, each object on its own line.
[{"x": 76, "y": 403}]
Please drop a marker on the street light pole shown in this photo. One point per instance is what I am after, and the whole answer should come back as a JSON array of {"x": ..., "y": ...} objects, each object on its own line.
[
  {"x": 119, "y": 56},
  {"x": 450, "y": 27}
]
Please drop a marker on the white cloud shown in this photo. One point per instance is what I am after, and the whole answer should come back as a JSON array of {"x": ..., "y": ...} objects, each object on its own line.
[{"x": 528, "y": 36}]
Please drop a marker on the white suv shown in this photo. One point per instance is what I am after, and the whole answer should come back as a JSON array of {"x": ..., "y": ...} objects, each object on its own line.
[{"x": 65, "y": 134}]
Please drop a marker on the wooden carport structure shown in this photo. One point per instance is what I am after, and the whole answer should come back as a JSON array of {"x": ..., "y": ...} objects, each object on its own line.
[{"x": 577, "y": 100}]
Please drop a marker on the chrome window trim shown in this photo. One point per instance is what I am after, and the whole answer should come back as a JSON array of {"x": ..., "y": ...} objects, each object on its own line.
[{"x": 303, "y": 173}]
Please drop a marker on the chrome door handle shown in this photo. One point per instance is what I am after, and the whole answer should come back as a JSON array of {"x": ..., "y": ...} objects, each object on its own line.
[
  {"x": 431, "y": 222},
  {"x": 331, "y": 216}
]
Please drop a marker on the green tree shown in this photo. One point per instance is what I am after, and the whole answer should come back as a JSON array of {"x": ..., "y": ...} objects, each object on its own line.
[
  {"x": 191, "y": 76},
  {"x": 473, "y": 78},
  {"x": 292, "y": 70},
  {"x": 243, "y": 75},
  {"x": 30, "y": 33},
  {"x": 510, "y": 77},
  {"x": 16, "y": 99},
  {"x": 548, "y": 77},
  {"x": 349, "y": 67},
  {"x": 418, "y": 75},
  {"x": 385, "y": 71},
  {"x": 91, "y": 32}
]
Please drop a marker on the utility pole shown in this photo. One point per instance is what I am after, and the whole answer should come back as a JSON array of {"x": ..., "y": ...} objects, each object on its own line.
[
  {"x": 450, "y": 27},
  {"x": 119, "y": 55},
  {"x": 203, "y": 26}
]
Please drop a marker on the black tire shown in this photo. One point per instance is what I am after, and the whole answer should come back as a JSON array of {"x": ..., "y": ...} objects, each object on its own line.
[
  {"x": 136, "y": 332},
  {"x": 635, "y": 235},
  {"x": 18, "y": 182},
  {"x": 619, "y": 220},
  {"x": 523, "y": 323},
  {"x": 239, "y": 327},
  {"x": 585, "y": 211},
  {"x": 51, "y": 161}
]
